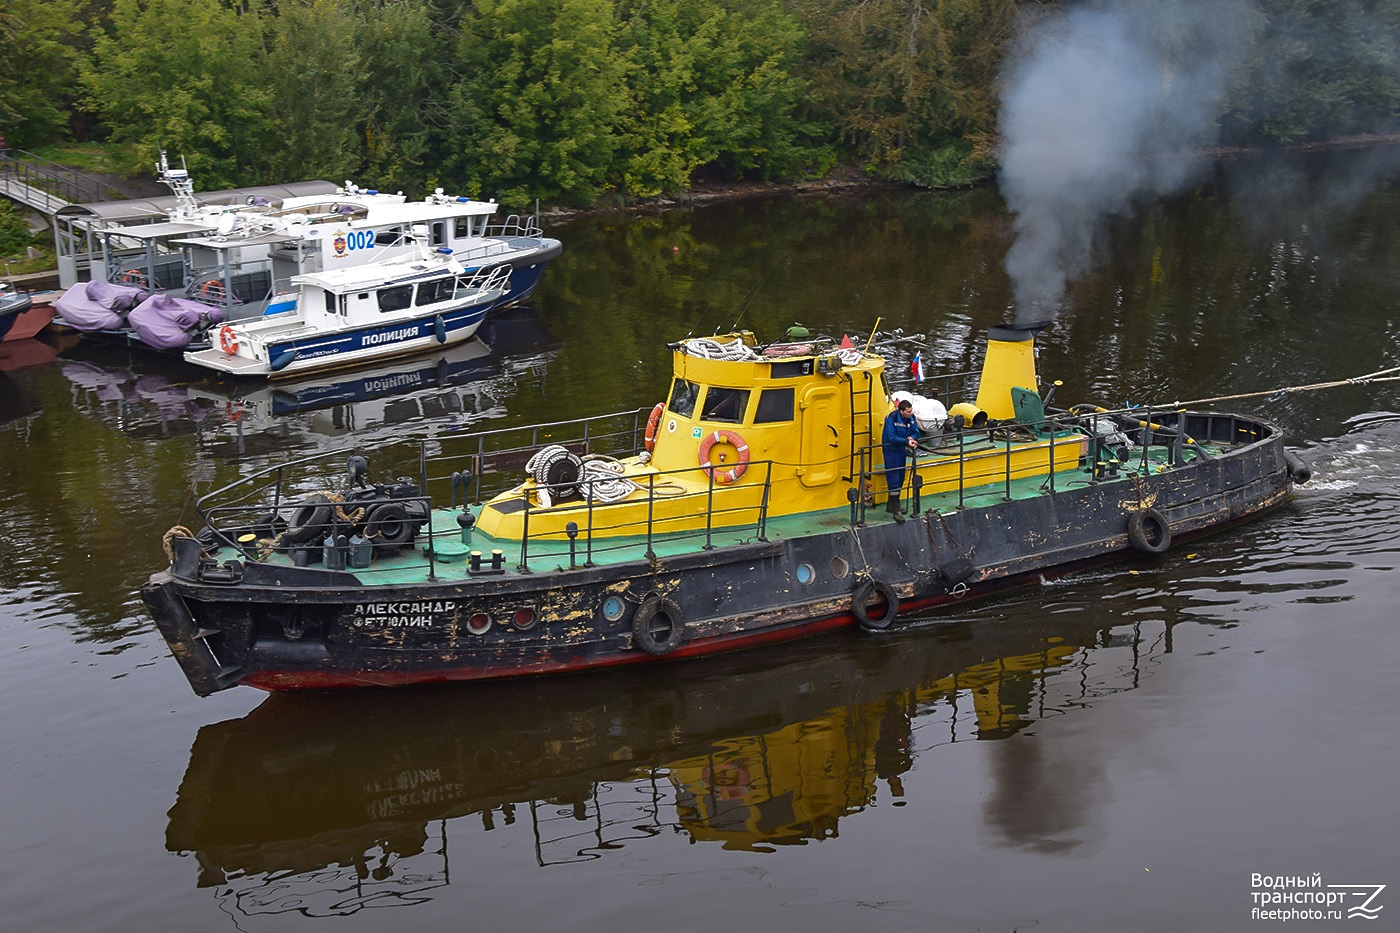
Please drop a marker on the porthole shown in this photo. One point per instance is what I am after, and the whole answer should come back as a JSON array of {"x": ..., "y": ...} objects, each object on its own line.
[
  {"x": 524, "y": 619},
  {"x": 806, "y": 573},
  {"x": 478, "y": 623},
  {"x": 839, "y": 568},
  {"x": 614, "y": 608}
]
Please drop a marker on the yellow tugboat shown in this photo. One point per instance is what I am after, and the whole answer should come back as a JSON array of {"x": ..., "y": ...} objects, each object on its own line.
[{"x": 779, "y": 491}]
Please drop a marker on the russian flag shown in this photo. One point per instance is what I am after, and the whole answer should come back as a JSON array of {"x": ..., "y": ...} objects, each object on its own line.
[{"x": 918, "y": 367}]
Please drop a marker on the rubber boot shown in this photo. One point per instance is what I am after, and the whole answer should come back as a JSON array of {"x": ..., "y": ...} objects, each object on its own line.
[{"x": 894, "y": 508}]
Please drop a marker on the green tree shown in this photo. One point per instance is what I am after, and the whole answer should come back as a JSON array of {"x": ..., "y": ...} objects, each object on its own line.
[
  {"x": 910, "y": 86},
  {"x": 40, "y": 48},
  {"x": 402, "y": 78},
  {"x": 1317, "y": 70},
  {"x": 537, "y": 110},
  {"x": 314, "y": 70},
  {"x": 188, "y": 76},
  {"x": 711, "y": 86}
]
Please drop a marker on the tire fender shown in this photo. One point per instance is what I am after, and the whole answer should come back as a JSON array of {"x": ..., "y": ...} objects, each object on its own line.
[
  {"x": 1149, "y": 532},
  {"x": 308, "y": 518},
  {"x": 862, "y": 600},
  {"x": 650, "y": 637}
]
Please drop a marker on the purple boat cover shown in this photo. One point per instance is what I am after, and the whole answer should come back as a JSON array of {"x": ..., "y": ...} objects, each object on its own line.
[
  {"x": 166, "y": 322},
  {"x": 98, "y": 305}
]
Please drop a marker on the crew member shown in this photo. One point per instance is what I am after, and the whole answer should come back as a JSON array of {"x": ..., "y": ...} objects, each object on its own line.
[{"x": 901, "y": 435}]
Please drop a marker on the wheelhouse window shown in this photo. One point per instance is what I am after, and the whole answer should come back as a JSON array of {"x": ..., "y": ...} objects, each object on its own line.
[
  {"x": 467, "y": 226},
  {"x": 395, "y": 299},
  {"x": 683, "y": 396},
  {"x": 774, "y": 405},
  {"x": 436, "y": 290},
  {"x": 725, "y": 404}
]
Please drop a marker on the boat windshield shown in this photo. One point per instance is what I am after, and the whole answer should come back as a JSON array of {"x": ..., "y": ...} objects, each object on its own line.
[
  {"x": 725, "y": 404},
  {"x": 683, "y": 396}
]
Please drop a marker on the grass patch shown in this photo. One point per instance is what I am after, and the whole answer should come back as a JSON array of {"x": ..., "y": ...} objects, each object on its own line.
[{"x": 85, "y": 157}]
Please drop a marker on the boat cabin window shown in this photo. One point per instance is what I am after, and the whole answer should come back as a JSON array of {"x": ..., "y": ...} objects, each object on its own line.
[
  {"x": 395, "y": 299},
  {"x": 436, "y": 290},
  {"x": 467, "y": 226},
  {"x": 330, "y": 301},
  {"x": 725, "y": 404},
  {"x": 391, "y": 236},
  {"x": 774, "y": 405},
  {"x": 440, "y": 233},
  {"x": 683, "y": 396}
]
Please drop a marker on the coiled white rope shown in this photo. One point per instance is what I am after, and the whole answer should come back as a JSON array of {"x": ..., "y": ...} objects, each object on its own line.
[
  {"x": 708, "y": 349},
  {"x": 603, "y": 481}
]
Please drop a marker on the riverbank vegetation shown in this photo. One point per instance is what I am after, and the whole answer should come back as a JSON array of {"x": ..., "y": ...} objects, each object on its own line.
[{"x": 593, "y": 102}]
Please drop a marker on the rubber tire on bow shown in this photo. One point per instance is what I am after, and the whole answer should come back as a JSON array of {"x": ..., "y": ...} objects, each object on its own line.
[
  {"x": 860, "y": 605},
  {"x": 311, "y": 516},
  {"x": 644, "y": 637},
  {"x": 388, "y": 524},
  {"x": 1149, "y": 532}
]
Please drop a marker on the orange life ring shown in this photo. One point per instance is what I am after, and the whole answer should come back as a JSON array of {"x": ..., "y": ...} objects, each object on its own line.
[
  {"x": 228, "y": 340},
  {"x": 133, "y": 277},
  {"x": 732, "y": 438},
  {"x": 653, "y": 426},
  {"x": 212, "y": 289}
]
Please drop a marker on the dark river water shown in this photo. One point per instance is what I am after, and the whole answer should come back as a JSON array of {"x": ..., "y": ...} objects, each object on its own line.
[{"x": 1160, "y": 744}]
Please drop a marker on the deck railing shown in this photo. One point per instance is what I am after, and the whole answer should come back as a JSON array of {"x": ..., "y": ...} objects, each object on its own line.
[{"x": 483, "y": 464}]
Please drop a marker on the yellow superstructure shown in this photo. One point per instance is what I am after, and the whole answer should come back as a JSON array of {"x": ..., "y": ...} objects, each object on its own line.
[{"x": 786, "y": 430}]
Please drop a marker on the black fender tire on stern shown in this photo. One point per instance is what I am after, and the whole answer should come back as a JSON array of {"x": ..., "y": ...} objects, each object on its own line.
[
  {"x": 649, "y": 634},
  {"x": 1149, "y": 532},
  {"x": 861, "y": 604},
  {"x": 388, "y": 523},
  {"x": 308, "y": 518}
]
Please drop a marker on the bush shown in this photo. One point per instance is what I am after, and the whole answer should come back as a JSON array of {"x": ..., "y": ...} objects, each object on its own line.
[{"x": 14, "y": 232}]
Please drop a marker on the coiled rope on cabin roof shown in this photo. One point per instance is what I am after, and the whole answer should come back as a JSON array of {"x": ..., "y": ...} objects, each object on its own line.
[{"x": 708, "y": 349}]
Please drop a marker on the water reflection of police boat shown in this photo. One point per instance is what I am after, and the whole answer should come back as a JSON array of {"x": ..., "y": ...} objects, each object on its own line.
[
  {"x": 584, "y": 764},
  {"x": 728, "y": 531},
  {"x": 218, "y": 259}
]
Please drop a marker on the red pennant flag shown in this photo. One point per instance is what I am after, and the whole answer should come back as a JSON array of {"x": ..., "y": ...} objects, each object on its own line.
[{"x": 846, "y": 343}]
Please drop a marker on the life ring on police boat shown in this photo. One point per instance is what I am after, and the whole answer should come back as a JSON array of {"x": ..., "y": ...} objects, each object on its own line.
[
  {"x": 228, "y": 340},
  {"x": 863, "y": 601},
  {"x": 653, "y": 426},
  {"x": 731, "y": 475},
  {"x": 658, "y": 627},
  {"x": 1149, "y": 532}
]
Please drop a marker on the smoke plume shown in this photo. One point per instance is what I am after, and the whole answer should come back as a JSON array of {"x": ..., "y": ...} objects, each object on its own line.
[{"x": 1100, "y": 104}]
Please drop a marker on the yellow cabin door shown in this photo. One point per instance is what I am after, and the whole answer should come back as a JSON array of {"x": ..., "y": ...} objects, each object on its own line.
[{"x": 823, "y": 454}]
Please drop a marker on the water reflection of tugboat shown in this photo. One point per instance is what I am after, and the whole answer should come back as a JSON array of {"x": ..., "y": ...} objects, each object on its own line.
[
  {"x": 339, "y": 800},
  {"x": 460, "y": 385}
]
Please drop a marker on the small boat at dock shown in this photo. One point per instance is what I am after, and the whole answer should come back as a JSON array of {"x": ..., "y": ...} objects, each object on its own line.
[
  {"x": 762, "y": 501},
  {"x": 21, "y": 317},
  {"x": 210, "y": 261},
  {"x": 361, "y": 314}
]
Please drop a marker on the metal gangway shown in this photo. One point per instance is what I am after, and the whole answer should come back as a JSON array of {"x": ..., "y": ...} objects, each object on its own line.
[{"x": 47, "y": 186}]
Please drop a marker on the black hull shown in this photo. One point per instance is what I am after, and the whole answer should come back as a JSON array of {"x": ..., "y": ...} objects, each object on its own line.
[{"x": 285, "y": 628}]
